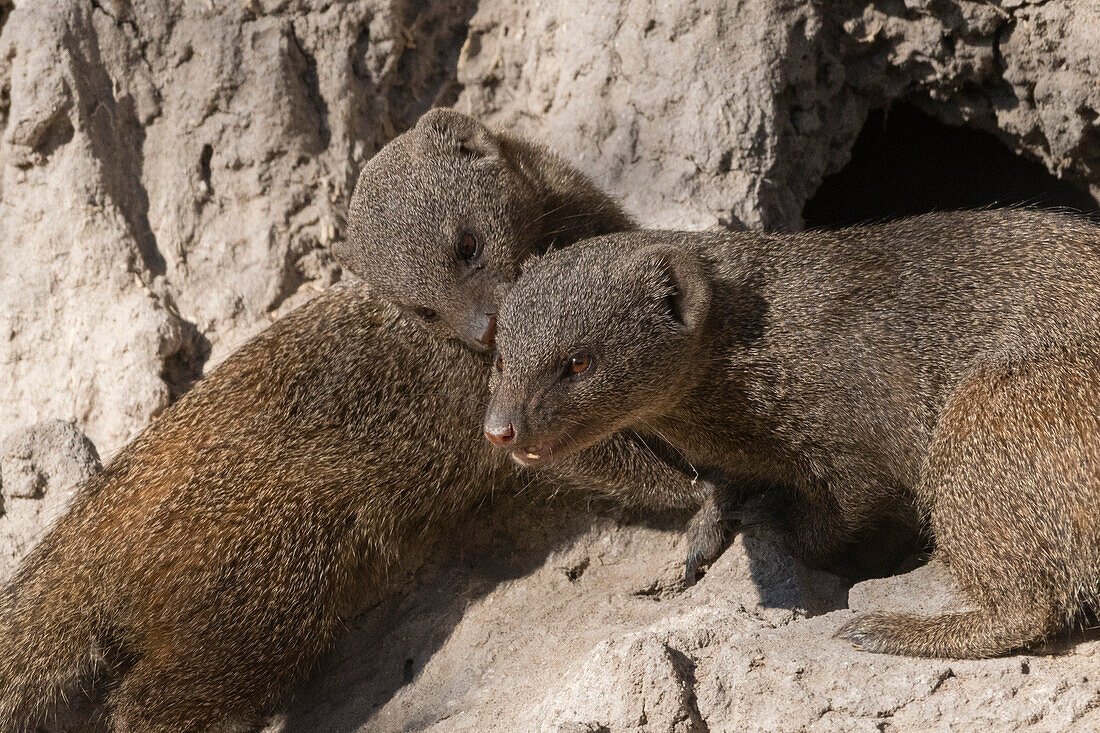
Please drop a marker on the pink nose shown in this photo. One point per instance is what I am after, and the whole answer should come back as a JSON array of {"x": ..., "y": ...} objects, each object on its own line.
[
  {"x": 501, "y": 436},
  {"x": 490, "y": 334}
]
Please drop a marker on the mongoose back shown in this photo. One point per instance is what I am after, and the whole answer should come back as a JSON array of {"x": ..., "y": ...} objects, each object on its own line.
[
  {"x": 947, "y": 362},
  {"x": 210, "y": 562}
]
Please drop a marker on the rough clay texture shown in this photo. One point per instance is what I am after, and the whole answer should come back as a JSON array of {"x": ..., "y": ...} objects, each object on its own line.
[
  {"x": 173, "y": 173},
  {"x": 40, "y": 469}
]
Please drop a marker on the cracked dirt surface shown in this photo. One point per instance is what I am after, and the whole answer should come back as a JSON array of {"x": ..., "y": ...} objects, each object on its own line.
[{"x": 500, "y": 638}]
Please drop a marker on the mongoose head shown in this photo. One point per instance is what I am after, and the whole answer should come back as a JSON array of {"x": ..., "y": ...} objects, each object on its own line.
[
  {"x": 439, "y": 223},
  {"x": 594, "y": 339}
]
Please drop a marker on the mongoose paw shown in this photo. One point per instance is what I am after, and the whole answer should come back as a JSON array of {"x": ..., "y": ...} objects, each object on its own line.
[
  {"x": 706, "y": 534},
  {"x": 698, "y": 556},
  {"x": 691, "y": 569}
]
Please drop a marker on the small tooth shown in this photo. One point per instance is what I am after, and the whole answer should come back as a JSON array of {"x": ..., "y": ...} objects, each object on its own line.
[{"x": 533, "y": 456}]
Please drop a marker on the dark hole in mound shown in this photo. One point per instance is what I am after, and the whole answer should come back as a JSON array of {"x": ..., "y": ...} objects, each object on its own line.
[
  {"x": 905, "y": 162},
  {"x": 205, "y": 157},
  {"x": 183, "y": 368}
]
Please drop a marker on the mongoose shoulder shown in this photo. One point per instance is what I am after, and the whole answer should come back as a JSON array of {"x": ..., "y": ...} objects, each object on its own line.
[
  {"x": 947, "y": 362},
  {"x": 212, "y": 559}
]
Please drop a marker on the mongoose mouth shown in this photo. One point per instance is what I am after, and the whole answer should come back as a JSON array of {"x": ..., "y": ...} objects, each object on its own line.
[{"x": 538, "y": 455}]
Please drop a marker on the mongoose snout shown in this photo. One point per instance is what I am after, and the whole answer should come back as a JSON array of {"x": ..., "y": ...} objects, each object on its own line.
[
  {"x": 499, "y": 433},
  {"x": 477, "y": 328},
  {"x": 505, "y": 427}
]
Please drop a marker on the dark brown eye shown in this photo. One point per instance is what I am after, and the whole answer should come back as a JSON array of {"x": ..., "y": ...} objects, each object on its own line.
[
  {"x": 468, "y": 247},
  {"x": 500, "y": 363},
  {"x": 426, "y": 313},
  {"x": 579, "y": 364}
]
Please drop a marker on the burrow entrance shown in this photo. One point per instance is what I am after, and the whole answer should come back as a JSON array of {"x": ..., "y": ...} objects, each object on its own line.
[{"x": 905, "y": 162}]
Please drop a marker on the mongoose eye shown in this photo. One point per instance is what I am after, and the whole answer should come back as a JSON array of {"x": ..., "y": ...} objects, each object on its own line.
[
  {"x": 468, "y": 247},
  {"x": 500, "y": 363},
  {"x": 426, "y": 313},
  {"x": 578, "y": 364}
]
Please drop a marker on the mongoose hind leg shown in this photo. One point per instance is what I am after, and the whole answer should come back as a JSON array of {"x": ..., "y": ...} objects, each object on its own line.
[
  {"x": 985, "y": 632},
  {"x": 165, "y": 698},
  {"x": 1011, "y": 489},
  {"x": 218, "y": 677}
]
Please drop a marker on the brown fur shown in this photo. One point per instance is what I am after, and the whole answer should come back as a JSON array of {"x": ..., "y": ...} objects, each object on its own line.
[
  {"x": 211, "y": 561},
  {"x": 946, "y": 364}
]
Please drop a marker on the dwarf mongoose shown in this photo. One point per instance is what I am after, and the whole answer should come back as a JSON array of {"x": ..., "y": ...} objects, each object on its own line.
[
  {"x": 948, "y": 362},
  {"x": 210, "y": 562}
]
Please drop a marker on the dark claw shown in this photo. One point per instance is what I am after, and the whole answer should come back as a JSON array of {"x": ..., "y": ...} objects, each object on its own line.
[{"x": 691, "y": 569}]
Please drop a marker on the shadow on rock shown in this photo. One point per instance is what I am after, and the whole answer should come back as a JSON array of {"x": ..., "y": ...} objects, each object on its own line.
[{"x": 388, "y": 646}]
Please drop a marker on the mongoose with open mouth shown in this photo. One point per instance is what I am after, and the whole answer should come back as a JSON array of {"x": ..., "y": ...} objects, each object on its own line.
[{"x": 947, "y": 363}]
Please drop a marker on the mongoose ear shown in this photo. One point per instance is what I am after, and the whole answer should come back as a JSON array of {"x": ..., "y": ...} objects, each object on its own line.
[
  {"x": 681, "y": 281},
  {"x": 446, "y": 130}
]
